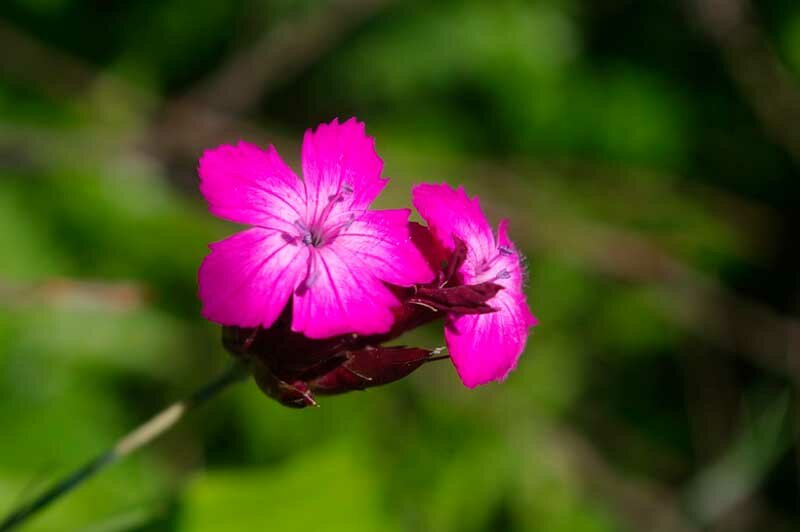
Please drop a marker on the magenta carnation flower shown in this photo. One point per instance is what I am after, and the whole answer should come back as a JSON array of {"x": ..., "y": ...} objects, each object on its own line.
[
  {"x": 484, "y": 346},
  {"x": 312, "y": 240}
]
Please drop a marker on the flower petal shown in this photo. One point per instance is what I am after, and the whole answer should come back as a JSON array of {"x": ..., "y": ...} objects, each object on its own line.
[
  {"x": 248, "y": 185},
  {"x": 341, "y": 298},
  {"x": 486, "y": 347},
  {"x": 510, "y": 260},
  {"x": 380, "y": 242},
  {"x": 450, "y": 212},
  {"x": 340, "y": 159},
  {"x": 248, "y": 278}
]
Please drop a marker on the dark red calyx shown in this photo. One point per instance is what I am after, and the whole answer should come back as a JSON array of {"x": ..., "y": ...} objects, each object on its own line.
[
  {"x": 465, "y": 299},
  {"x": 451, "y": 266},
  {"x": 293, "y": 394},
  {"x": 288, "y": 354},
  {"x": 291, "y": 368},
  {"x": 347, "y": 372},
  {"x": 369, "y": 367}
]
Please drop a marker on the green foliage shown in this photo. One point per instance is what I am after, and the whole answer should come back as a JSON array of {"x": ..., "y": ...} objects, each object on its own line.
[
  {"x": 647, "y": 196},
  {"x": 791, "y": 39},
  {"x": 334, "y": 477}
]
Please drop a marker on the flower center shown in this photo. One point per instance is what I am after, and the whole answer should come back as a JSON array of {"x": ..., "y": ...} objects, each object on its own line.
[
  {"x": 310, "y": 236},
  {"x": 312, "y": 239},
  {"x": 326, "y": 225}
]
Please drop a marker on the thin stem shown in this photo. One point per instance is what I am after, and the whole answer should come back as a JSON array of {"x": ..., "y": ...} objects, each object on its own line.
[{"x": 140, "y": 436}]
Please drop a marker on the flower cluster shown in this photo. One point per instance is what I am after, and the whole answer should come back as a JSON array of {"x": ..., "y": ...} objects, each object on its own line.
[{"x": 310, "y": 293}]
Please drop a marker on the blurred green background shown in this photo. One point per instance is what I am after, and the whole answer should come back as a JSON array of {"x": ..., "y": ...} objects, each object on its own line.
[{"x": 647, "y": 154}]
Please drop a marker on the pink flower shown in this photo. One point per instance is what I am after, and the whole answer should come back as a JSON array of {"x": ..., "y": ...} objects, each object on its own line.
[
  {"x": 484, "y": 346},
  {"x": 312, "y": 240}
]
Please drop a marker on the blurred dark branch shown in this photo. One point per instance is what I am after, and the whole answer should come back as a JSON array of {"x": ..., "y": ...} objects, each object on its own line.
[
  {"x": 724, "y": 491},
  {"x": 695, "y": 300},
  {"x": 711, "y": 410},
  {"x": 212, "y": 111},
  {"x": 755, "y": 67},
  {"x": 721, "y": 497},
  {"x": 75, "y": 294},
  {"x": 54, "y": 73},
  {"x": 283, "y": 51},
  {"x": 756, "y": 224},
  {"x": 642, "y": 504}
]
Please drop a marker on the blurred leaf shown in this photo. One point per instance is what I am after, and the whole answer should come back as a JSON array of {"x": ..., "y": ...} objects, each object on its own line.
[
  {"x": 139, "y": 341},
  {"x": 791, "y": 39},
  {"x": 328, "y": 489},
  {"x": 762, "y": 439},
  {"x": 455, "y": 42},
  {"x": 29, "y": 252},
  {"x": 470, "y": 487},
  {"x": 134, "y": 489},
  {"x": 633, "y": 323}
]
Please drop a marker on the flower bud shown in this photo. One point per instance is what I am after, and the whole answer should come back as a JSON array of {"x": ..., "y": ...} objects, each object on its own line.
[
  {"x": 293, "y": 394},
  {"x": 368, "y": 367},
  {"x": 291, "y": 368}
]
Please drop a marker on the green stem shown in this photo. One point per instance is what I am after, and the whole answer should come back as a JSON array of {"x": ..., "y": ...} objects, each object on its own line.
[{"x": 139, "y": 437}]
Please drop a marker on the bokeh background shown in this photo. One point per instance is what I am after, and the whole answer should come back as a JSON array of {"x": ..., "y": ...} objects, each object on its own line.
[{"x": 647, "y": 154}]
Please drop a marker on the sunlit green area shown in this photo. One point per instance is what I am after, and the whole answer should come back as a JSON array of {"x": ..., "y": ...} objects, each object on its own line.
[{"x": 646, "y": 153}]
